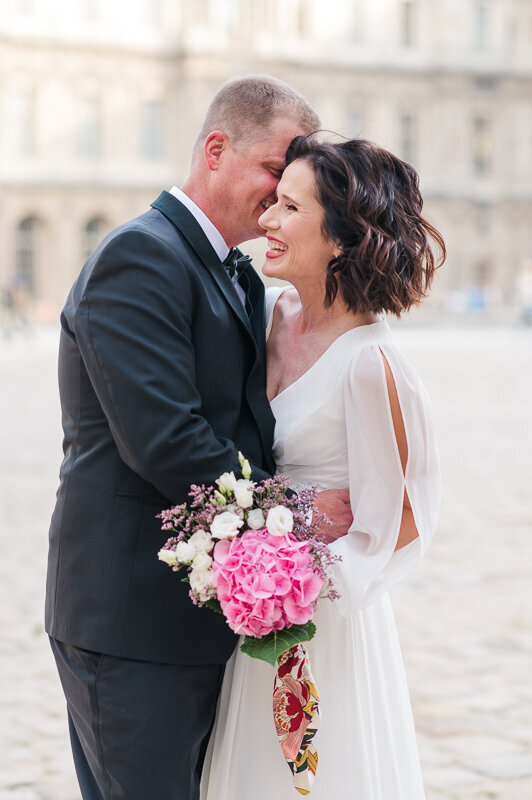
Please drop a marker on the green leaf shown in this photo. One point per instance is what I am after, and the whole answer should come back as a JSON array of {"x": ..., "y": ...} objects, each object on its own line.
[
  {"x": 271, "y": 647},
  {"x": 214, "y": 605}
]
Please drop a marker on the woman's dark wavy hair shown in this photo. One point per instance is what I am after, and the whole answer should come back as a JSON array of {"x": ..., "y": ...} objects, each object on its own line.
[{"x": 372, "y": 208}]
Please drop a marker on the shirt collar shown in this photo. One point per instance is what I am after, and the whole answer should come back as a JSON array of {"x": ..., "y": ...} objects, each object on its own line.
[{"x": 211, "y": 232}]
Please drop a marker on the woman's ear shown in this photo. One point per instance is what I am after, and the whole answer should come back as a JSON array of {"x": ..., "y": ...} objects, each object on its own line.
[{"x": 213, "y": 148}]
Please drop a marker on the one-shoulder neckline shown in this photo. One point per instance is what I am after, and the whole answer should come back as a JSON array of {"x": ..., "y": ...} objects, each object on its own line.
[{"x": 356, "y": 329}]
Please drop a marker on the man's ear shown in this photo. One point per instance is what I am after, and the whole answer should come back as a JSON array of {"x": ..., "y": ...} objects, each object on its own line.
[{"x": 213, "y": 148}]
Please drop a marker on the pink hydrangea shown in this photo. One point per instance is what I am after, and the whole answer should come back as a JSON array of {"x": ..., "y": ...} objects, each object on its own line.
[{"x": 265, "y": 583}]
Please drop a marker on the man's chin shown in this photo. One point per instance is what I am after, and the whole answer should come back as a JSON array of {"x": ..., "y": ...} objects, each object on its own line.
[
  {"x": 258, "y": 232},
  {"x": 247, "y": 236},
  {"x": 255, "y": 231}
]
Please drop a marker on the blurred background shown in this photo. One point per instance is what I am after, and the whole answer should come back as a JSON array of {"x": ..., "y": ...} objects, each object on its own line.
[{"x": 99, "y": 106}]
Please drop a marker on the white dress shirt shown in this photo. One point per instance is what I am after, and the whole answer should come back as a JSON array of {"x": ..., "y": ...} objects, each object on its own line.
[{"x": 211, "y": 231}]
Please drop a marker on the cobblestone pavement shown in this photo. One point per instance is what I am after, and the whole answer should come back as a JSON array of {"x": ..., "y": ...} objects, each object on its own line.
[{"x": 464, "y": 617}]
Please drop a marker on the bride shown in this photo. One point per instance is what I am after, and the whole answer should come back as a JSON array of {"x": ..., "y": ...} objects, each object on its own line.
[{"x": 347, "y": 233}]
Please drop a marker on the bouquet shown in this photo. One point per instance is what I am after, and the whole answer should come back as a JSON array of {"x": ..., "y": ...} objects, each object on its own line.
[{"x": 254, "y": 554}]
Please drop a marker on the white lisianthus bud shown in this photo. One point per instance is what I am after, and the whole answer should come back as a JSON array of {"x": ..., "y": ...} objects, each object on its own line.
[
  {"x": 246, "y": 469},
  {"x": 255, "y": 518},
  {"x": 168, "y": 556},
  {"x": 226, "y": 525},
  {"x": 220, "y": 499},
  {"x": 201, "y": 541},
  {"x": 244, "y": 493},
  {"x": 185, "y": 552},
  {"x": 227, "y": 482},
  {"x": 202, "y": 561},
  {"x": 279, "y": 521}
]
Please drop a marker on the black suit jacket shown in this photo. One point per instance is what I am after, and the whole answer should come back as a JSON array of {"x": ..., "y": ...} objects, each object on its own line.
[{"x": 162, "y": 381}]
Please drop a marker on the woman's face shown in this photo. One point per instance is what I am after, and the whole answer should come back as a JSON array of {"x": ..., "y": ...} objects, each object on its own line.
[{"x": 297, "y": 249}]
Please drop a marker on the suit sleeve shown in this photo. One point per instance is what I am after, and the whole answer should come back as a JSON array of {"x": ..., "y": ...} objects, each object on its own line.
[{"x": 133, "y": 328}]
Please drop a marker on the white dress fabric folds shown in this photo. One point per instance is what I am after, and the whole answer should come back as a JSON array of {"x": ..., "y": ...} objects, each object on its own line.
[{"x": 334, "y": 429}]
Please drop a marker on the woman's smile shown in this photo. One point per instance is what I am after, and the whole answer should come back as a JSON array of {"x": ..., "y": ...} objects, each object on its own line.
[{"x": 276, "y": 248}]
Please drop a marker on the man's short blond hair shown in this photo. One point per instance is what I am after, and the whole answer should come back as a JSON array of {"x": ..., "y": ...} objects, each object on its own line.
[{"x": 244, "y": 109}]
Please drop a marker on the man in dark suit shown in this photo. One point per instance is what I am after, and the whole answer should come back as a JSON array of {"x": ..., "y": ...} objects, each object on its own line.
[{"x": 162, "y": 382}]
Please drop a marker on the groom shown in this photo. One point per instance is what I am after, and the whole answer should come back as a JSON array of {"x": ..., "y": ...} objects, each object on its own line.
[{"x": 161, "y": 374}]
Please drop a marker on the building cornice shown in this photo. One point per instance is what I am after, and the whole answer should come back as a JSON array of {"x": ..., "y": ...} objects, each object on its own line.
[{"x": 342, "y": 59}]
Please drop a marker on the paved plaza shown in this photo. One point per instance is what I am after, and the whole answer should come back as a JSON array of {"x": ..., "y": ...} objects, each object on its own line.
[{"x": 464, "y": 617}]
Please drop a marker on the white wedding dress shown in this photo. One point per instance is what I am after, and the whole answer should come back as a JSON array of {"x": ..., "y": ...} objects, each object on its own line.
[{"x": 334, "y": 429}]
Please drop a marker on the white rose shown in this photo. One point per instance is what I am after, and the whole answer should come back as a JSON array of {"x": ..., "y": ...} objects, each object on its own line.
[
  {"x": 202, "y": 561},
  {"x": 279, "y": 521},
  {"x": 256, "y": 518},
  {"x": 226, "y": 525},
  {"x": 227, "y": 482},
  {"x": 185, "y": 552},
  {"x": 200, "y": 579},
  {"x": 201, "y": 541},
  {"x": 244, "y": 493},
  {"x": 168, "y": 556}
]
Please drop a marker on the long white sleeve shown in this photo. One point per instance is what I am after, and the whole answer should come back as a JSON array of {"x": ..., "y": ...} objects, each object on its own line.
[{"x": 370, "y": 564}]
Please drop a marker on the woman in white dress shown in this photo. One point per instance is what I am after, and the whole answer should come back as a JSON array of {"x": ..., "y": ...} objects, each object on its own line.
[{"x": 348, "y": 235}]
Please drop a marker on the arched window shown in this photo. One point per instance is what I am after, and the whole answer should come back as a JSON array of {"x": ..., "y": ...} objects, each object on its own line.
[
  {"x": 93, "y": 233},
  {"x": 26, "y": 253}
]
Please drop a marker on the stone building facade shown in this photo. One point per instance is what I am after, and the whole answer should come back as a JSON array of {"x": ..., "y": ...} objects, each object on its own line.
[{"x": 100, "y": 103}]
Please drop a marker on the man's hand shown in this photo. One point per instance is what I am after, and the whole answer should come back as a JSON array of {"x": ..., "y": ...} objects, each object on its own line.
[{"x": 334, "y": 504}]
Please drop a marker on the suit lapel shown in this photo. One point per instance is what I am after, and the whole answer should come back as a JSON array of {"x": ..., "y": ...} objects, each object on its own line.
[
  {"x": 256, "y": 298},
  {"x": 184, "y": 221}
]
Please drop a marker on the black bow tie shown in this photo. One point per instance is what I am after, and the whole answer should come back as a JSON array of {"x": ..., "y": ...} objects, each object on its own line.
[{"x": 235, "y": 262}]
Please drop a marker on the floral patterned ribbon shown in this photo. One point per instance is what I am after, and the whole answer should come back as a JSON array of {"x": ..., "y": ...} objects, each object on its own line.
[{"x": 296, "y": 714}]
